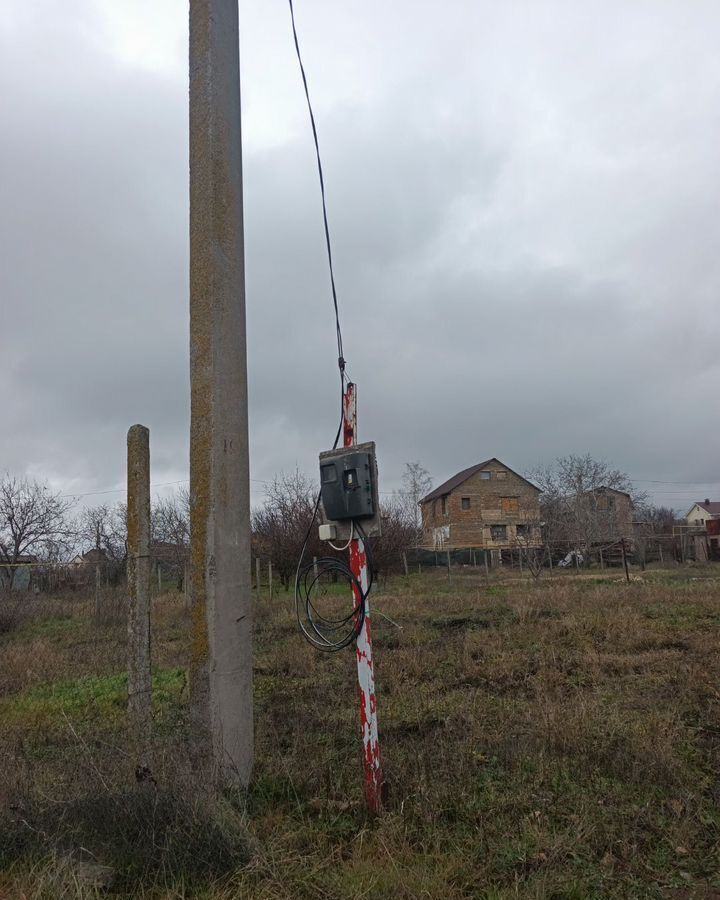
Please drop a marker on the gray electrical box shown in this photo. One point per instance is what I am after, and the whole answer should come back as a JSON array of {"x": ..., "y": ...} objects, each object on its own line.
[{"x": 348, "y": 487}]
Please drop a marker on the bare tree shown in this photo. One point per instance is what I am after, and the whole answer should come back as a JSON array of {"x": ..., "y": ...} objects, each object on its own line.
[
  {"x": 398, "y": 533},
  {"x": 104, "y": 527},
  {"x": 171, "y": 528},
  {"x": 33, "y": 522},
  {"x": 279, "y": 526},
  {"x": 574, "y": 505},
  {"x": 416, "y": 483}
]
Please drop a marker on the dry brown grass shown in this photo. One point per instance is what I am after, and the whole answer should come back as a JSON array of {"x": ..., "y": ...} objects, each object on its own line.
[{"x": 558, "y": 738}]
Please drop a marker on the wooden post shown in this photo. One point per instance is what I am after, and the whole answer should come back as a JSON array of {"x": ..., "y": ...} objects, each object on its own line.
[
  {"x": 159, "y": 576},
  {"x": 487, "y": 565},
  {"x": 520, "y": 559},
  {"x": 448, "y": 562},
  {"x": 662, "y": 561},
  {"x": 138, "y": 568},
  {"x": 315, "y": 567},
  {"x": 405, "y": 562},
  {"x": 474, "y": 560},
  {"x": 186, "y": 585},
  {"x": 602, "y": 561},
  {"x": 549, "y": 553},
  {"x": 624, "y": 559},
  {"x": 97, "y": 571},
  {"x": 270, "y": 579},
  {"x": 257, "y": 575}
]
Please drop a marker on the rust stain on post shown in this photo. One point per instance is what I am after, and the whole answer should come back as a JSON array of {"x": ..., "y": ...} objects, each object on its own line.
[{"x": 138, "y": 568}]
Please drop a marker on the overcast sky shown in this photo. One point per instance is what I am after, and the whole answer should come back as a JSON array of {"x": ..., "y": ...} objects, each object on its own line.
[{"x": 524, "y": 201}]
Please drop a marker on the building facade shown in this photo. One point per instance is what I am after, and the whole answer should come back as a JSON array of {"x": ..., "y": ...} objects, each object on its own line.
[{"x": 487, "y": 506}]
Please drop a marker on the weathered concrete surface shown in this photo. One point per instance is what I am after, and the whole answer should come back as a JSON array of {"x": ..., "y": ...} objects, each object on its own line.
[
  {"x": 220, "y": 581},
  {"x": 138, "y": 569}
]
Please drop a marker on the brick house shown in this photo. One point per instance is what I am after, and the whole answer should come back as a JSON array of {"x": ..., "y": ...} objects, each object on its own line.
[{"x": 488, "y": 506}]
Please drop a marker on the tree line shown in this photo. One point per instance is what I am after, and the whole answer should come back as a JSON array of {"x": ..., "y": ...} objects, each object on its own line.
[{"x": 40, "y": 524}]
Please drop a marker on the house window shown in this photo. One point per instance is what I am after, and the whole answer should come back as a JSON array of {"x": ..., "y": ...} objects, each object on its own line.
[
  {"x": 500, "y": 476},
  {"x": 485, "y": 476},
  {"x": 523, "y": 530},
  {"x": 498, "y": 532},
  {"x": 510, "y": 506},
  {"x": 443, "y": 503},
  {"x": 466, "y": 503}
]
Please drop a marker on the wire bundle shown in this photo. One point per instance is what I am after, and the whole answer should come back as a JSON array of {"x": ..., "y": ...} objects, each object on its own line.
[{"x": 323, "y": 630}]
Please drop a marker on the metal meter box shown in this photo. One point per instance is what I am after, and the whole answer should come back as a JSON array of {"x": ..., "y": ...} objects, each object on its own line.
[{"x": 348, "y": 487}]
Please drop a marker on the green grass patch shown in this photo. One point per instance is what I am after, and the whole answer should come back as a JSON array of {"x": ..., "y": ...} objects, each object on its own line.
[{"x": 91, "y": 699}]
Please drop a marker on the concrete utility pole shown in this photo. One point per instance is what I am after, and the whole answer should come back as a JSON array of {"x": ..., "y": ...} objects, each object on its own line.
[
  {"x": 138, "y": 575},
  {"x": 221, "y": 662}
]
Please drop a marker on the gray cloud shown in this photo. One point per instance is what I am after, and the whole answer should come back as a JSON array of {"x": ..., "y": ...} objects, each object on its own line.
[{"x": 523, "y": 204}]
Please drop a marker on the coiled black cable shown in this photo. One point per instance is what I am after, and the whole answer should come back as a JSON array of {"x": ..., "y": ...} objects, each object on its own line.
[{"x": 324, "y": 631}]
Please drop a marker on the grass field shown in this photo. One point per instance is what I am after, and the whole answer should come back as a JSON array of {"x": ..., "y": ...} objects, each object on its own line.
[{"x": 557, "y": 738}]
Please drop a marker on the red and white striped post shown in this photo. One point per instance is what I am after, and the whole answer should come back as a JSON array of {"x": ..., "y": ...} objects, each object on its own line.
[{"x": 363, "y": 649}]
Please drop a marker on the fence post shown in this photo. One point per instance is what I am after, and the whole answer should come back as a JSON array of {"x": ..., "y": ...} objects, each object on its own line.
[
  {"x": 97, "y": 571},
  {"x": 138, "y": 567},
  {"x": 405, "y": 562},
  {"x": 662, "y": 561},
  {"x": 270, "y": 579},
  {"x": 549, "y": 553},
  {"x": 315, "y": 567},
  {"x": 448, "y": 562},
  {"x": 257, "y": 575},
  {"x": 624, "y": 559},
  {"x": 487, "y": 564},
  {"x": 186, "y": 586}
]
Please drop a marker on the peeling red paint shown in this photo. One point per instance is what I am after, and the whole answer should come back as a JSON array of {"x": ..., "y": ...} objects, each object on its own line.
[{"x": 363, "y": 651}]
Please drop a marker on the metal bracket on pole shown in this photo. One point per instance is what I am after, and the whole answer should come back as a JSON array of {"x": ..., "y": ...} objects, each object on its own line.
[{"x": 363, "y": 650}]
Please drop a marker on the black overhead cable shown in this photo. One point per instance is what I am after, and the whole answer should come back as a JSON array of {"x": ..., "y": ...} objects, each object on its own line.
[
  {"x": 325, "y": 631},
  {"x": 341, "y": 360}
]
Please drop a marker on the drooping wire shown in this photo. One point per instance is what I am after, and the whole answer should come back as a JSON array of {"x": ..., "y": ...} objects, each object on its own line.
[
  {"x": 325, "y": 633},
  {"x": 338, "y": 330}
]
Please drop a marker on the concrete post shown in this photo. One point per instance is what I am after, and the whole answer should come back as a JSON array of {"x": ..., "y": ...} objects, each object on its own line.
[
  {"x": 221, "y": 661},
  {"x": 138, "y": 574}
]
